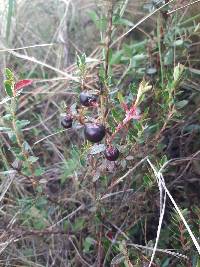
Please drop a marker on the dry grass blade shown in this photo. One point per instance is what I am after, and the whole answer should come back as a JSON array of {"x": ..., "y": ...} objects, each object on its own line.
[
  {"x": 67, "y": 217},
  {"x": 162, "y": 208},
  {"x": 63, "y": 201},
  {"x": 184, "y": 6},
  {"x": 161, "y": 178},
  {"x": 167, "y": 251},
  {"x": 6, "y": 184},
  {"x": 4, "y": 245},
  {"x": 140, "y": 22},
  {"x": 34, "y": 60},
  {"x": 25, "y": 47},
  {"x": 119, "y": 180}
]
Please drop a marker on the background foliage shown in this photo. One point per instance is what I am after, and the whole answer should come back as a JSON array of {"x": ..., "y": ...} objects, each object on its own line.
[{"x": 62, "y": 202}]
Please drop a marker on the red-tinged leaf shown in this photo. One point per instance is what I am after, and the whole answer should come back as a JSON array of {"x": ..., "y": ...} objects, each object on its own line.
[
  {"x": 23, "y": 83},
  {"x": 133, "y": 113}
]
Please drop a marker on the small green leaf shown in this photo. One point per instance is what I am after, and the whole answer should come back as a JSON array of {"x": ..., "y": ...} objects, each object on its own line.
[
  {"x": 11, "y": 5},
  {"x": 88, "y": 242},
  {"x": 39, "y": 171},
  {"x": 151, "y": 71},
  {"x": 178, "y": 43},
  {"x": 33, "y": 159},
  {"x": 5, "y": 129},
  {"x": 8, "y": 87},
  {"x": 181, "y": 104},
  {"x": 116, "y": 115},
  {"x": 147, "y": 181},
  {"x": 125, "y": 22},
  {"x": 178, "y": 70},
  {"x": 116, "y": 57},
  {"x": 7, "y": 117},
  {"x": 110, "y": 55},
  {"x": 39, "y": 189},
  {"x": 22, "y": 123},
  {"x": 139, "y": 57},
  {"x": 143, "y": 88},
  {"x": 120, "y": 98},
  {"x": 94, "y": 17},
  {"x": 80, "y": 60},
  {"x": 165, "y": 263},
  {"x": 26, "y": 146},
  {"x": 198, "y": 263},
  {"x": 78, "y": 224},
  {"x": 137, "y": 60},
  {"x": 12, "y": 136},
  {"x": 168, "y": 58},
  {"x": 9, "y": 74},
  {"x": 101, "y": 23},
  {"x": 39, "y": 223}
]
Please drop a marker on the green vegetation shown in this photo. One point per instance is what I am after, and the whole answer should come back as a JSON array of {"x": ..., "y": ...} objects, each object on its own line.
[{"x": 99, "y": 133}]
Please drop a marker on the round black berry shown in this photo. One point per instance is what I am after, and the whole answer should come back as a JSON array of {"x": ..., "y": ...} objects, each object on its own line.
[
  {"x": 87, "y": 99},
  {"x": 111, "y": 153},
  {"x": 66, "y": 122},
  {"x": 94, "y": 132}
]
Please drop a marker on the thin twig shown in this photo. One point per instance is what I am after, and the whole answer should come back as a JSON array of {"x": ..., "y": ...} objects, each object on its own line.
[
  {"x": 159, "y": 174},
  {"x": 140, "y": 22},
  {"x": 68, "y": 216},
  {"x": 167, "y": 251},
  {"x": 25, "y": 47},
  {"x": 127, "y": 174},
  {"x": 34, "y": 60},
  {"x": 162, "y": 209},
  {"x": 187, "y": 5},
  {"x": 78, "y": 253}
]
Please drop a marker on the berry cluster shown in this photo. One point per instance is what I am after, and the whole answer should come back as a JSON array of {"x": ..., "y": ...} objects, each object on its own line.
[{"x": 93, "y": 131}]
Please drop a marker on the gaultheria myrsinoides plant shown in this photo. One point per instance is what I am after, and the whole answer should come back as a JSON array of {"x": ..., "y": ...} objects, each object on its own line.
[
  {"x": 24, "y": 161},
  {"x": 93, "y": 117},
  {"x": 132, "y": 112},
  {"x": 13, "y": 87}
]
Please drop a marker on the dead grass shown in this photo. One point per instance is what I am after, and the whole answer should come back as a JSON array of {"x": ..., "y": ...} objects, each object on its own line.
[{"x": 50, "y": 227}]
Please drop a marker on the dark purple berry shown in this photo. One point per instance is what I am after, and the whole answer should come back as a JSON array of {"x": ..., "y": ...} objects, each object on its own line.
[
  {"x": 94, "y": 132},
  {"x": 111, "y": 153},
  {"x": 87, "y": 99},
  {"x": 66, "y": 122}
]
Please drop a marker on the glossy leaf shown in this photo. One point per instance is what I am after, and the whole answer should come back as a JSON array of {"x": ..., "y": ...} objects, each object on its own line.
[
  {"x": 22, "y": 123},
  {"x": 181, "y": 104},
  {"x": 9, "y": 74},
  {"x": 120, "y": 97},
  {"x": 23, "y": 83},
  {"x": 8, "y": 87}
]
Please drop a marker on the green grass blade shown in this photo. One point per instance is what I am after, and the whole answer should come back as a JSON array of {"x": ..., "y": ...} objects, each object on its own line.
[{"x": 9, "y": 17}]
